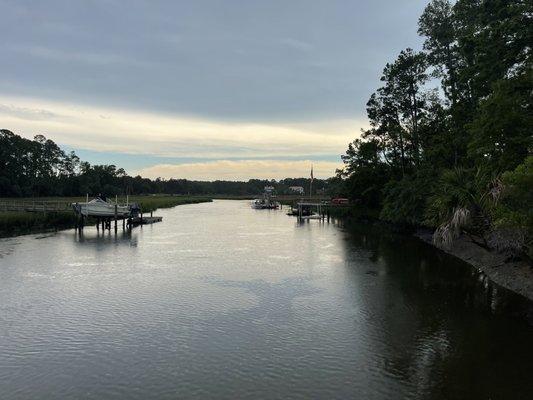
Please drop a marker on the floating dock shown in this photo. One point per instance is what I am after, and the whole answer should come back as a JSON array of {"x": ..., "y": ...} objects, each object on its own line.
[{"x": 144, "y": 220}]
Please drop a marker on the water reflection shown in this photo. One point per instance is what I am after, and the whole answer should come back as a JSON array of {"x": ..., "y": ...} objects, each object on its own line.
[
  {"x": 102, "y": 238},
  {"x": 221, "y": 301},
  {"x": 424, "y": 306}
]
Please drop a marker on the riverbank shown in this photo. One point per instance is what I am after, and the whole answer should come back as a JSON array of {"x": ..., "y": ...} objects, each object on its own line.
[
  {"x": 516, "y": 276},
  {"x": 22, "y": 223}
]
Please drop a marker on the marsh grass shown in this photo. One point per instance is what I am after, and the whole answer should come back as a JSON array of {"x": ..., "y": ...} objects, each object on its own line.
[
  {"x": 13, "y": 223},
  {"x": 20, "y": 223},
  {"x": 152, "y": 203}
]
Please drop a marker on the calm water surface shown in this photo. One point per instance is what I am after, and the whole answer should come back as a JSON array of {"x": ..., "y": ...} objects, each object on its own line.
[{"x": 222, "y": 301}]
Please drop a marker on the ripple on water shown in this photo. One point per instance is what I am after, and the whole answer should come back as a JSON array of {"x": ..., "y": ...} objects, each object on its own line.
[{"x": 221, "y": 301}]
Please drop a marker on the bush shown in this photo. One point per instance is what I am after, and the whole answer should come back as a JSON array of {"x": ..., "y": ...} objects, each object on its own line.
[
  {"x": 405, "y": 200},
  {"x": 515, "y": 208}
]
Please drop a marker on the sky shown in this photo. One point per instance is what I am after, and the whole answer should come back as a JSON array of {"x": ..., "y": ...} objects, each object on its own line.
[{"x": 199, "y": 89}]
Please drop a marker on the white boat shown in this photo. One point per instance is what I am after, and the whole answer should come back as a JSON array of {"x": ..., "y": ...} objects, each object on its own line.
[
  {"x": 264, "y": 204},
  {"x": 257, "y": 204},
  {"x": 100, "y": 208}
]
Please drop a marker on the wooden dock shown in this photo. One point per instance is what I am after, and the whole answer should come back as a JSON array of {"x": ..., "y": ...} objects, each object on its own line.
[{"x": 128, "y": 222}]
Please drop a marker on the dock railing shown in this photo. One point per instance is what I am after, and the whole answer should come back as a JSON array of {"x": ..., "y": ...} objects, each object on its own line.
[{"x": 35, "y": 206}]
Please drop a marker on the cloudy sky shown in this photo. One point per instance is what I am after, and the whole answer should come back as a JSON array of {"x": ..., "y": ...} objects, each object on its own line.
[{"x": 200, "y": 89}]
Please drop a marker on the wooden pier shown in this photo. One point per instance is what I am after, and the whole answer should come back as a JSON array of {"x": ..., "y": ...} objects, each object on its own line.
[{"x": 128, "y": 222}]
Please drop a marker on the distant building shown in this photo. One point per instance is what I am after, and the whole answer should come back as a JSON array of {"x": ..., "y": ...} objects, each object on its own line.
[{"x": 297, "y": 189}]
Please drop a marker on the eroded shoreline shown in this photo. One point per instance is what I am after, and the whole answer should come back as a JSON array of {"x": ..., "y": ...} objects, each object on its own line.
[{"x": 516, "y": 276}]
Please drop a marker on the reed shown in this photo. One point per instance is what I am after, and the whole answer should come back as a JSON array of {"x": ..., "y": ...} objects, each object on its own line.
[
  {"x": 20, "y": 223},
  {"x": 151, "y": 203}
]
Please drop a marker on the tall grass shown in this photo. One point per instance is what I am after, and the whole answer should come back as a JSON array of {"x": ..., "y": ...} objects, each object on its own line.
[{"x": 20, "y": 223}]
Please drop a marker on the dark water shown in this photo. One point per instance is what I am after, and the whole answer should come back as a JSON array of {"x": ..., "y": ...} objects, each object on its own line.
[{"x": 222, "y": 301}]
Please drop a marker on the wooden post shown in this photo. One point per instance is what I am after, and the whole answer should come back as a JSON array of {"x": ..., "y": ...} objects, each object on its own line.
[{"x": 116, "y": 212}]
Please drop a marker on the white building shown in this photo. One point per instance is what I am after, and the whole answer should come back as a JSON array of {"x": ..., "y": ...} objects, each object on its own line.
[{"x": 297, "y": 189}]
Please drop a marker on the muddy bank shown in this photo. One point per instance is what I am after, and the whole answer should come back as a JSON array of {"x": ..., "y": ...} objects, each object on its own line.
[{"x": 513, "y": 275}]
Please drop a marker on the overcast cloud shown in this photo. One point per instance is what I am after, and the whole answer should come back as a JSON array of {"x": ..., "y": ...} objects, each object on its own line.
[{"x": 212, "y": 80}]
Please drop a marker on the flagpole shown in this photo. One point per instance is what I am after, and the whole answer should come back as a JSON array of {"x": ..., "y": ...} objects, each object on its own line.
[{"x": 311, "y": 184}]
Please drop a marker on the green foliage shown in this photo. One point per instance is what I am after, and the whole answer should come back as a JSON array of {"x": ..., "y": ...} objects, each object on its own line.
[
  {"x": 501, "y": 131},
  {"x": 405, "y": 200},
  {"x": 467, "y": 134},
  {"x": 516, "y": 205},
  {"x": 40, "y": 168},
  {"x": 461, "y": 188}
]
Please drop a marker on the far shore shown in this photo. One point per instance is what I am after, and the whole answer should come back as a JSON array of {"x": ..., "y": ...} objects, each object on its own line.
[{"x": 23, "y": 223}]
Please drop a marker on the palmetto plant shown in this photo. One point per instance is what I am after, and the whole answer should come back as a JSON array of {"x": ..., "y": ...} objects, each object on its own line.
[{"x": 463, "y": 202}]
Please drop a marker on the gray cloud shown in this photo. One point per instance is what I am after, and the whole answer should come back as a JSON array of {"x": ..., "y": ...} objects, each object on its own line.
[
  {"x": 26, "y": 113},
  {"x": 233, "y": 60}
]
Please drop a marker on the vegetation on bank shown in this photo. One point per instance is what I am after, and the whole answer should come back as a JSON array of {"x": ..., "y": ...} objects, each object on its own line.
[
  {"x": 40, "y": 168},
  {"x": 457, "y": 156},
  {"x": 449, "y": 145},
  {"x": 19, "y": 223},
  {"x": 151, "y": 203}
]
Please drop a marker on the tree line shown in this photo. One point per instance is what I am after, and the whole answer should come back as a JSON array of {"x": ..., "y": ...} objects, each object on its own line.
[
  {"x": 450, "y": 137},
  {"x": 39, "y": 167}
]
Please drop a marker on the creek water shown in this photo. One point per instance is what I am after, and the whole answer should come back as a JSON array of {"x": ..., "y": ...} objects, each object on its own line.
[{"x": 221, "y": 301}]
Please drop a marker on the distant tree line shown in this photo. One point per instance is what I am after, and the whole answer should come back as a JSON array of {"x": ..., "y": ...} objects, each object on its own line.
[
  {"x": 39, "y": 167},
  {"x": 457, "y": 156}
]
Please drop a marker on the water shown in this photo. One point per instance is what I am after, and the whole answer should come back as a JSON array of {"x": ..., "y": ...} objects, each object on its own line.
[{"x": 222, "y": 301}]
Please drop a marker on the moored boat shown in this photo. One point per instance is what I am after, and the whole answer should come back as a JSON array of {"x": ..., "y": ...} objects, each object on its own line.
[
  {"x": 100, "y": 208},
  {"x": 263, "y": 204},
  {"x": 266, "y": 202}
]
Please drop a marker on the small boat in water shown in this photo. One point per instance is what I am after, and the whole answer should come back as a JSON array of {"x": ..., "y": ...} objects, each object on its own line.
[
  {"x": 305, "y": 211},
  {"x": 266, "y": 202},
  {"x": 100, "y": 208},
  {"x": 263, "y": 204}
]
